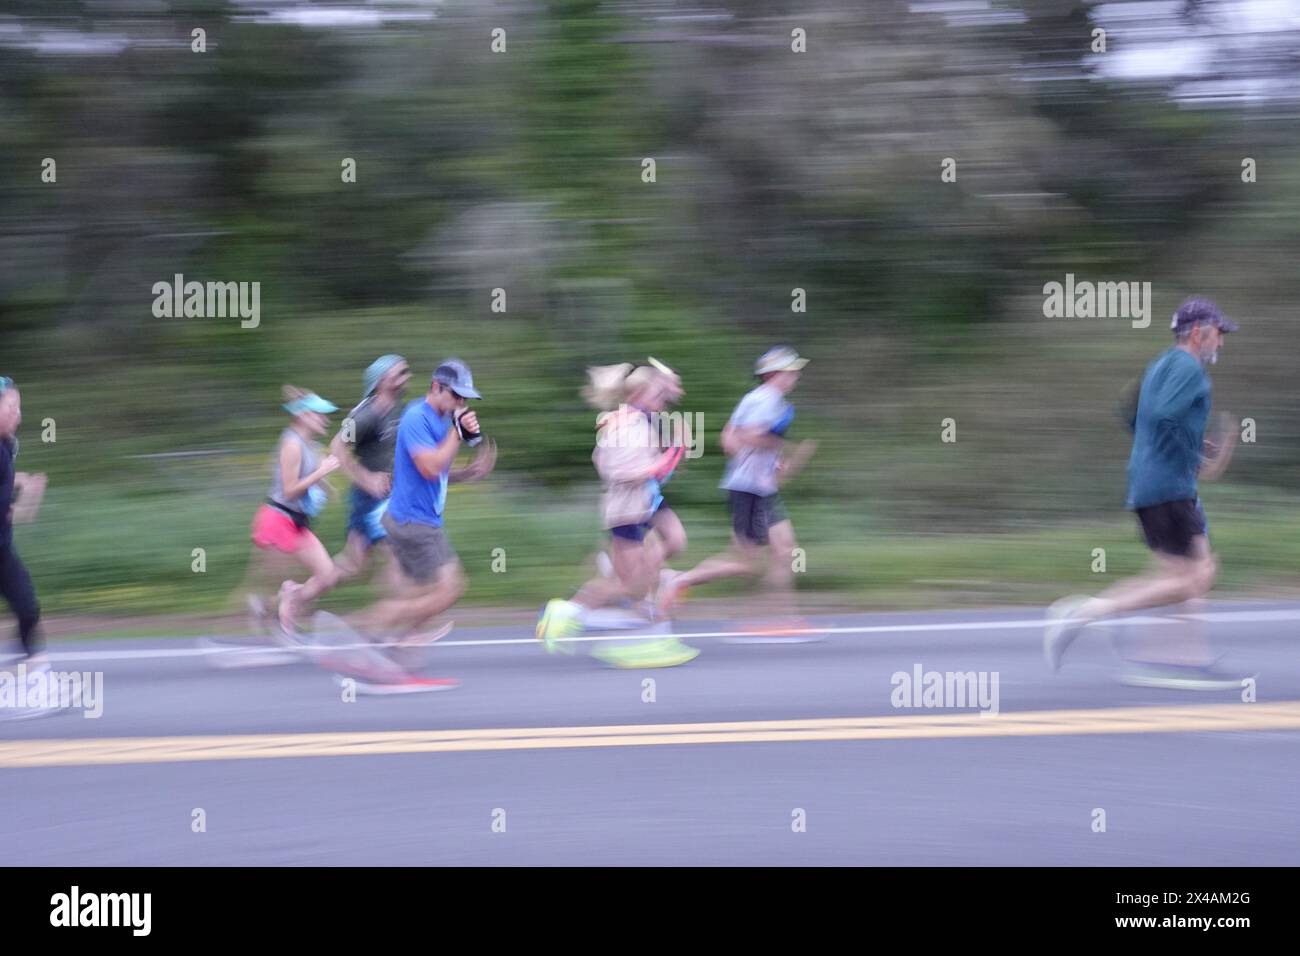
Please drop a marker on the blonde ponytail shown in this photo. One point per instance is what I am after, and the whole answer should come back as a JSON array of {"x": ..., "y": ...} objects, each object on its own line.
[{"x": 606, "y": 386}]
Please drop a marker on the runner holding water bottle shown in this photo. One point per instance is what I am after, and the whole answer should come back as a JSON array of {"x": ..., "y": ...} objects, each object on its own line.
[{"x": 429, "y": 437}]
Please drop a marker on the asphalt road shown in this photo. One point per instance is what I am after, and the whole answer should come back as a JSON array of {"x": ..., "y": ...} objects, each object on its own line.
[{"x": 751, "y": 754}]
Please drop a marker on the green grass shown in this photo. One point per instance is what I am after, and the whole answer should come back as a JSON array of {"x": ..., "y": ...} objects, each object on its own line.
[{"x": 118, "y": 551}]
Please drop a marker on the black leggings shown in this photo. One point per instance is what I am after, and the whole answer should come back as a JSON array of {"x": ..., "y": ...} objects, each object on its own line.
[{"x": 16, "y": 588}]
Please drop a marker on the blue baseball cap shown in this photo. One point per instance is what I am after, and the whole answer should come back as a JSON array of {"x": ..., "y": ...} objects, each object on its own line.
[{"x": 455, "y": 375}]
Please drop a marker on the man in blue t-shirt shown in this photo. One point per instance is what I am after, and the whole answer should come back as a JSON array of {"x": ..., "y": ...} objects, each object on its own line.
[
  {"x": 429, "y": 436},
  {"x": 1169, "y": 454}
]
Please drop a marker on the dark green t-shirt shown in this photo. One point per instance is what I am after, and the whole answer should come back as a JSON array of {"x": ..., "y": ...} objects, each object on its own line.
[{"x": 375, "y": 434}]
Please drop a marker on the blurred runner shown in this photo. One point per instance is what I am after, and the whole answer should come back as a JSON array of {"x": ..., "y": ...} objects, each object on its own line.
[
  {"x": 1169, "y": 451},
  {"x": 20, "y": 498},
  {"x": 430, "y": 434},
  {"x": 365, "y": 447},
  {"x": 632, "y": 464},
  {"x": 762, "y": 535},
  {"x": 282, "y": 526},
  {"x": 667, "y": 536}
]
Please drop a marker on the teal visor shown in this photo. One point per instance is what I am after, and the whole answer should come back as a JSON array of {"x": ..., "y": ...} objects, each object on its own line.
[{"x": 310, "y": 403}]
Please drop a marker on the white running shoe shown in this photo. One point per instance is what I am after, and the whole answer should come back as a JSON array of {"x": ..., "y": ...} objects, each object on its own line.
[
  {"x": 1063, "y": 627},
  {"x": 1180, "y": 677},
  {"x": 407, "y": 685}
]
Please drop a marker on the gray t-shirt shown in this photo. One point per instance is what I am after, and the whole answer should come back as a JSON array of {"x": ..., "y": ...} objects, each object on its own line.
[
  {"x": 753, "y": 470},
  {"x": 374, "y": 434}
]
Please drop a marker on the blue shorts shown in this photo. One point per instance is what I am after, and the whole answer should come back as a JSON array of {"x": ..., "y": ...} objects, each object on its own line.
[
  {"x": 631, "y": 532},
  {"x": 366, "y": 516}
]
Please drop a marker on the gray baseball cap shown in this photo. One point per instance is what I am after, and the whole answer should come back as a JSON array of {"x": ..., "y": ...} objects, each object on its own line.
[{"x": 455, "y": 374}]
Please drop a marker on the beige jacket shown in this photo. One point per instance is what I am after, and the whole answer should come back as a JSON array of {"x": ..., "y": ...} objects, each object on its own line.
[{"x": 625, "y": 452}]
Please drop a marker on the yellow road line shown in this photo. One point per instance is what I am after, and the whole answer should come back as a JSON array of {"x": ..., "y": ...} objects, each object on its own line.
[{"x": 1119, "y": 720}]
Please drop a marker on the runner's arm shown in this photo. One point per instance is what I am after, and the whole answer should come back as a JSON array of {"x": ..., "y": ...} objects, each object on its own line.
[
  {"x": 1128, "y": 405},
  {"x": 484, "y": 459},
  {"x": 340, "y": 449},
  {"x": 1173, "y": 400},
  {"x": 373, "y": 483},
  {"x": 751, "y": 437},
  {"x": 793, "y": 462},
  {"x": 1216, "y": 453},
  {"x": 291, "y": 461},
  {"x": 28, "y": 491},
  {"x": 432, "y": 462}
]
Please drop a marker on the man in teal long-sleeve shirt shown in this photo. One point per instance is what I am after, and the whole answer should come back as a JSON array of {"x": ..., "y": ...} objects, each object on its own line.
[
  {"x": 1168, "y": 429},
  {"x": 1167, "y": 458}
]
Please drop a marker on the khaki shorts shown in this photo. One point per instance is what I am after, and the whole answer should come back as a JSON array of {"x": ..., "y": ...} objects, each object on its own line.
[{"x": 420, "y": 549}]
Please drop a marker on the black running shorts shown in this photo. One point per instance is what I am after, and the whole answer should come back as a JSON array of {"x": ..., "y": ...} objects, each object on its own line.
[
  {"x": 1169, "y": 527},
  {"x": 753, "y": 515}
]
